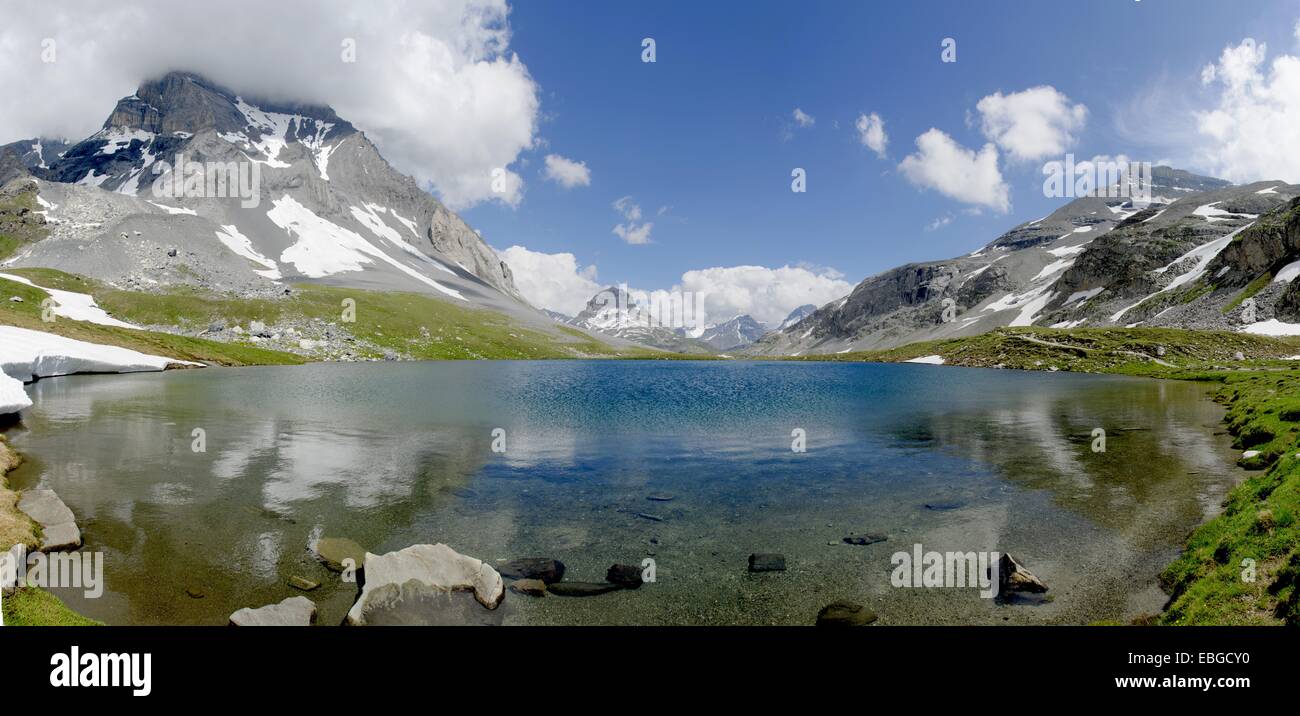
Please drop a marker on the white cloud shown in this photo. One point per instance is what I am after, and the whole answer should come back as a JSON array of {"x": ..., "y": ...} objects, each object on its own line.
[
  {"x": 1036, "y": 123},
  {"x": 939, "y": 222},
  {"x": 566, "y": 172},
  {"x": 633, "y": 232},
  {"x": 871, "y": 132},
  {"x": 558, "y": 282},
  {"x": 767, "y": 294},
  {"x": 803, "y": 118},
  {"x": 1253, "y": 131},
  {"x": 434, "y": 84},
  {"x": 957, "y": 172},
  {"x": 553, "y": 281}
]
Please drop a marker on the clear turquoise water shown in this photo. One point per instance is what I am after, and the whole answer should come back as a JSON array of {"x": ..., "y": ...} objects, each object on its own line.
[{"x": 394, "y": 454}]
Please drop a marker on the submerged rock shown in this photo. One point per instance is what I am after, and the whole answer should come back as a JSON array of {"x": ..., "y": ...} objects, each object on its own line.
[
  {"x": 766, "y": 562},
  {"x": 415, "y": 603},
  {"x": 582, "y": 589},
  {"x": 303, "y": 583},
  {"x": 845, "y": 614},
  {"x": 424, "y": 577},
  {"x": 627, "y": 576},
  {"x": 545, "y": 569},
  {"x": 333, "y": 550},
  {"x": 294, "y": 611},
  {"x": 529, "y": 587},
  {"x": 865, "y": 539}
]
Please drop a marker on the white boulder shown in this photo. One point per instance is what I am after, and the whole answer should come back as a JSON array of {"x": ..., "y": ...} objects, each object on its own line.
[
  {"x": 437, "y": 567},
  {"x": 294, "y": 611}
]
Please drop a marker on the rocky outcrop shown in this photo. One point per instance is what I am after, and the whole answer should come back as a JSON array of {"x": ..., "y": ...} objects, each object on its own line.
[
  {"x": 294, "y": 611},
  {"x": 424, "y": 584}
]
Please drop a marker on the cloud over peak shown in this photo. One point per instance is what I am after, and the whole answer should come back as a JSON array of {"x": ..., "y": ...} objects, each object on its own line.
[{"x": 433, "y": 84}]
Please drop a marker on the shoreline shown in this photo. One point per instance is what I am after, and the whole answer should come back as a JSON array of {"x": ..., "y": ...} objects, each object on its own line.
[{"x": 1258, "y": 521}]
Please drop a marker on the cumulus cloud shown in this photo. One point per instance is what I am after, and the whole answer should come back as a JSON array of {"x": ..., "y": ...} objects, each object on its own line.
[
  {"x": 566, "y": 172},
  {"x": 434, "y": 84},
  {"x": 632, "y": 230},
  {"x": 560, "y": 283},
  {"x": 1253, "y": 131},
  {"x": 767, "y": 294},
  {"x": 871, "y": 132},
  {"x": 942, "y": 164},
  {"x": 803, "y": 119},
  {"x": 1033, "y": 124},
  {"x": 554, "y": 281}
]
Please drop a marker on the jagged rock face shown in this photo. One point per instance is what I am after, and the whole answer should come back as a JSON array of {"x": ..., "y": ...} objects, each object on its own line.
[
  {"x": 1180, "y": 261},
  {"x": 735, "y": 333},
  {"x": 34, "y": 153},
  {"x": 797, "y": 315},
  {"x": 1266, "y": 248},
  {"x": 327, "y": 206}
]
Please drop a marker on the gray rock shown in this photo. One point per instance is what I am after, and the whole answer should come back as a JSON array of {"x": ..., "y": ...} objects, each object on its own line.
[{"x": 294, "y": 611}]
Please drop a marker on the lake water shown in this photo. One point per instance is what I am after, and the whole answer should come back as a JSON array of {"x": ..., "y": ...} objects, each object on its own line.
[{"x": 395, "y": 454}]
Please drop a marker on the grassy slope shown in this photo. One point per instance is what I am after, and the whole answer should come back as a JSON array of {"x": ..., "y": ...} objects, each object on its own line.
[
  {"x": 410, "y": 324},
  {"x": 1261, "y": 517}
]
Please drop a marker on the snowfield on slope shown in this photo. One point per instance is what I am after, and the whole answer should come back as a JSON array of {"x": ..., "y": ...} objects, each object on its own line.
[
  {"x": 76, "y": 306},
  {"x": 324, "y": 248}
]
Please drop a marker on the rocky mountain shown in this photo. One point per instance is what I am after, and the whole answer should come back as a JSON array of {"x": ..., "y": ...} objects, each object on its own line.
[
  {"x": 36, "y": 153},
  {"x": 797, "y": 315},
  {"x": 1200, "y": 253},
  {"x": 190, "y": 183},
  {"x": 615, "y": 313},
  {"x": 735, "y": 333}
]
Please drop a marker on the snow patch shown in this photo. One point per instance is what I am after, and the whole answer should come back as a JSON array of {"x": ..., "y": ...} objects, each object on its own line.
[
  {"x": 927, "y": 360},
  {"x": 1273, "y": 327},
  {"x": 241, "y": 245},
  {"x": 74, "y": 306}
]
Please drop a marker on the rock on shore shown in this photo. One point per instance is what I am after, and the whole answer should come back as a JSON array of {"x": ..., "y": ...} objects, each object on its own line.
[
  {"x": 58, "y": 524},
  {"x": 423, "y": 584}
]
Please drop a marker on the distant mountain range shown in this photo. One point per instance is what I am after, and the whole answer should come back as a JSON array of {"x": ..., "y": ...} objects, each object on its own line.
[
  {"x": 613, "y": 312},
  {"x": 1201, "y": 253}
]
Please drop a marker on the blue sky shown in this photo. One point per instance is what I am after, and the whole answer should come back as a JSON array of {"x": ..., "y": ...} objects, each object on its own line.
[{"x": 707, "y": 130}]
